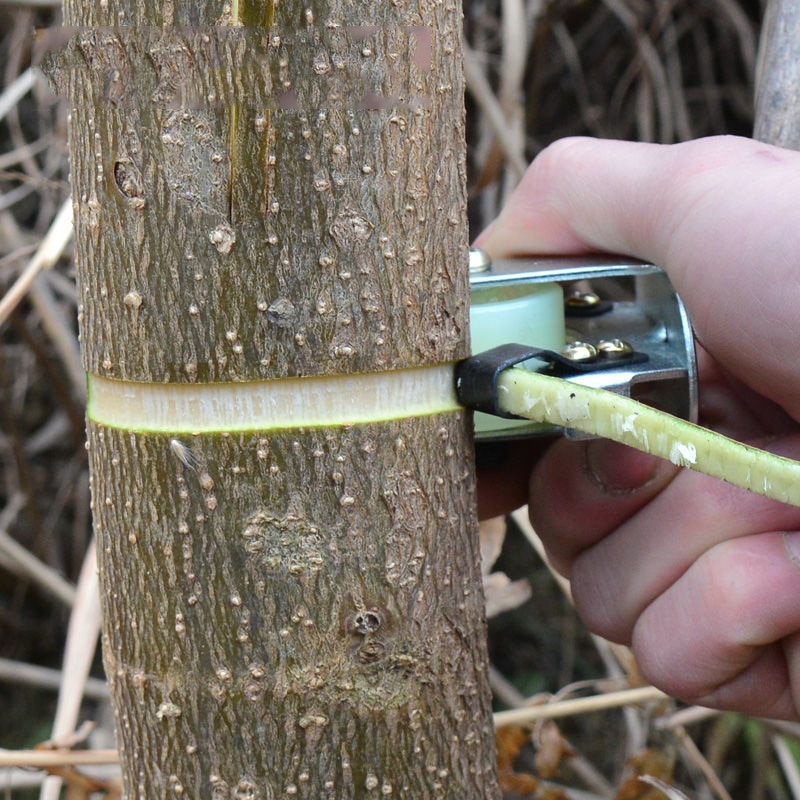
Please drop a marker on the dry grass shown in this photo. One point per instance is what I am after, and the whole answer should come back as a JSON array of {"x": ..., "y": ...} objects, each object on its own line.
[{"x": 659, "y": 70}]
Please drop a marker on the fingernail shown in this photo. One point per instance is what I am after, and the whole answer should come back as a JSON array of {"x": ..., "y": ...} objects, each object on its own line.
[
  {"x": 791, "y": 543},
  {"x": 618, "y": 469}
]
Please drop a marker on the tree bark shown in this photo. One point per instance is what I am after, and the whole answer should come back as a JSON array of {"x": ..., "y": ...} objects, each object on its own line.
[
  {"x": 777, "y": 96},
  {"x": 263, "y": 192}
]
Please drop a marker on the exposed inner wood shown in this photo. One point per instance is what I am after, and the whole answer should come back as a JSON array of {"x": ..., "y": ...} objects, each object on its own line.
[{"x": 272, "y": 405}]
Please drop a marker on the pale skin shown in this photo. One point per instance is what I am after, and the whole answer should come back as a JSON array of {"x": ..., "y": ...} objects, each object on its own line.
[{"x": 702, "y": 579}]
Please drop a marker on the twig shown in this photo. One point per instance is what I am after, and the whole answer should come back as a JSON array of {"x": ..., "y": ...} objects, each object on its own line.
[
  {"x": 49, "y": 434},
  {"x": 17, "y": 58},
  {"x": 25, "y": 778},
  {"x": 24, "y": 562},
  {"x": 69, "y": 740},
  {"x": 691, "y": 751},
  {"x": 504, "y": 690},
  {"x": 17, "y": 90},
  {"x": 484, "y": 97},
  {"x": 579, "y": 764},
  {"x": 788, "y": 764},
  {"x": 26, "y": 151},
  {"x": 82, "y": 635},
  {"x": 611, "y": 656},
  {"x": 46, "y": 678},
  {"x": 685, "y": 716},
  {"x": 708, "y": 90},
  {"x": 60, "y": 331},
  {"x": 534, "y": 9},
  {"x": 674, "y": 73},
  {"x": 590, "y": 776},
  {"x": 51, "y": 759},
  {"x": 669, "y": 791},
  {"x": 32, "y": 3},
  {"x": 17, "y": 194},
  {"x": 572, "y": 59},
  {"x": 608, "y": 653},
  {"x": 581, "y": 705},
  {"x": 745, "y": 31},
  {"x": 790, "y": 730},
  {"x": 17, "y": 254},
  {"x": 520, "y": 516},
  {"x": 49, "y": 252},
  {"x": 513, "y": 57},
  {"x": 649, "y": 56}
]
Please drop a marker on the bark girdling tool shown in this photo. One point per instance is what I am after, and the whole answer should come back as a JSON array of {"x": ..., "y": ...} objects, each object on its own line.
[
  {"x": 626, "y": 369},
  {"x": 607, "y": 323}
]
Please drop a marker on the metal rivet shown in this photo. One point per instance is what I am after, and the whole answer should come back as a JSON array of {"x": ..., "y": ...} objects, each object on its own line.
[
  {"x": 613, "y": 349},
  {"x": 479, "y": 260},
  {"x": 582, "y": 300},
  {"x": 579, "y": 352}
]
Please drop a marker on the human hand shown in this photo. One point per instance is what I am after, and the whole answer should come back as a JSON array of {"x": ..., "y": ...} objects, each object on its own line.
[{"x": 702, "y": 579}]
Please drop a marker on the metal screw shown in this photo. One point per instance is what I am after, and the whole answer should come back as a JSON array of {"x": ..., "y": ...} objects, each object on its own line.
[
  {"x": 582, "y": 300},
  {"x": 580, "y": 352},
  {"x": 479, "y": 260},
  {"x": 613, "y": 349}
]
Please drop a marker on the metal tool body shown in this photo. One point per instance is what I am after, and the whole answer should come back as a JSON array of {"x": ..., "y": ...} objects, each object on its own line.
[{"x": 628, "y": 307}]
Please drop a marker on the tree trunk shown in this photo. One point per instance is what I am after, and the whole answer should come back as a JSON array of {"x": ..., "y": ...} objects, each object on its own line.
[
  {"x": 266, "y": 192},
  {"x": 777, "y": 100}
]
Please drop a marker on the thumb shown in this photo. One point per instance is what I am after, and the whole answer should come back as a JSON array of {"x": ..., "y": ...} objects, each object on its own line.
[
  {"x": 581, "y": 491},
  {"x": 720, "y": 215},
  {"x": 575, "y": 197}
]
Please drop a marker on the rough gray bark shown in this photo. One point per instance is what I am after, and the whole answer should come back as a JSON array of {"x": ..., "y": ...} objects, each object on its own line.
[
  {"x": 777, "y": 101},
  {"x": 287, "y": 613}
]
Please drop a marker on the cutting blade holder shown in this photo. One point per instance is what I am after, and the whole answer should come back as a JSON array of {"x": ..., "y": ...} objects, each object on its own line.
[{"x": 610, "y": 323}]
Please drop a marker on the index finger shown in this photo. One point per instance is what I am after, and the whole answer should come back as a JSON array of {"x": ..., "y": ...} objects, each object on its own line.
[{"x": 719, "y": 215}]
